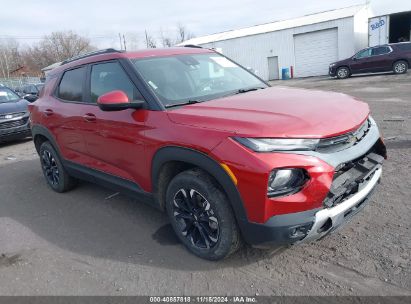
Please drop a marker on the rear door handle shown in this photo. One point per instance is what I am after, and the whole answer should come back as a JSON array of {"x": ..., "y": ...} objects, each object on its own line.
[
  {"x": 89, "y": 117},
  {"x": 48, "y": 112}
]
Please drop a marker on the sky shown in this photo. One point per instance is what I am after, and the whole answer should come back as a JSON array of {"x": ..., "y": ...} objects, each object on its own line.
[{"x": 101, "y": 20}]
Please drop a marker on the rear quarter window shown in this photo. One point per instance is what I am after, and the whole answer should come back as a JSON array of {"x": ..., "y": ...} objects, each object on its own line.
[{"x": 71, "y": 85}]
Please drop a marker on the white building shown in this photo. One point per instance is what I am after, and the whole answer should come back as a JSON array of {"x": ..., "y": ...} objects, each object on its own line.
[
  {"x": 306, "y": 46},
  {"x": 47, "y": 69},
  {"x": 390, "y": 23}
]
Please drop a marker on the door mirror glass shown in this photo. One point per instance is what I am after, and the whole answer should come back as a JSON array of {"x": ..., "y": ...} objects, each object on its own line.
[{"x": 117, "y": 100}]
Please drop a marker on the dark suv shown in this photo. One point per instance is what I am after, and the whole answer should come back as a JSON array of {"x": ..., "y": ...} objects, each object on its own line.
[
  {"x": 228, "y": 157},
  {"x": 14, "y": 116},
  {"x": 394, "y": 57}
]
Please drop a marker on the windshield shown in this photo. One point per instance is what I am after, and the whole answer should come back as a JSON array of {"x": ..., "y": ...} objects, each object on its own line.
[
  {"x": 7, "y": 95},
  {"x": 196, "y": 77}
]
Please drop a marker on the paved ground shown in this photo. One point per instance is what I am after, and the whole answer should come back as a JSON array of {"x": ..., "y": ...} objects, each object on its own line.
[{"x": 87, "y": 242}]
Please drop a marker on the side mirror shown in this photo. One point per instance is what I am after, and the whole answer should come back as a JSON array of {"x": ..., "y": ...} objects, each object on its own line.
[
  {"x": 355, "y": 58},
  {"x": 117, "y": 101},
  {"x": 30, "y": 98}
]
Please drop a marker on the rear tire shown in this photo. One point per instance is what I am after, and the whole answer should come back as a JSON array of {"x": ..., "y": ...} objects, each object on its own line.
[
  {"x": 56, "y": 176},
  {"x": 400, "y": 67},
  {"x": 343, "y": 73},
  {"x": 201, "y": 215}
]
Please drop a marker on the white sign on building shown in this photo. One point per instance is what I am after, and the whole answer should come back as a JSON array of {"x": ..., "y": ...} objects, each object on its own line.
[{"x": 378, "y": 30}]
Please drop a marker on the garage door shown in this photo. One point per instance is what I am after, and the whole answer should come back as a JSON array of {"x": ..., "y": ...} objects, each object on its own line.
[{"x": 314, "y": 52}]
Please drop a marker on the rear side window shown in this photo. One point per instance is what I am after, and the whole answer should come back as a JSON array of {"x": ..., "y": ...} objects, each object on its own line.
[
  {"x": 110, "y": 76},
  {"x": 380, "y": 50},
  {"x": 71, "y": 85}
]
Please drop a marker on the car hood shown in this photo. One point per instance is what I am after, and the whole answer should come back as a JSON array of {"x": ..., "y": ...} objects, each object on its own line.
[
  {"x": 344, "y": 61},
  {"x": 277, "y": 112},
  {"x": 12, "y": 107}
]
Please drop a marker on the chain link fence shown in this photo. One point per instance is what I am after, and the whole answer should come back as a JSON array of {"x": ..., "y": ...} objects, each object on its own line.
[{"x": 17, "y": 82}]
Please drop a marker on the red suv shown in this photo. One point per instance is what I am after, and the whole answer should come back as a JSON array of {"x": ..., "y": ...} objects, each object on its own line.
[{"x": 225, "y": 155}]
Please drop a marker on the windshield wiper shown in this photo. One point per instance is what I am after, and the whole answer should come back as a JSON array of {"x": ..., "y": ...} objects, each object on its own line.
[
  {"x": 240, "y": 91},
  {"x": 167, "y": 106}
]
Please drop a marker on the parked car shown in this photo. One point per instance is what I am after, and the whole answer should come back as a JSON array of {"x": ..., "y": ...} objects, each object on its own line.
[
  {"x": 14, "y": 116},
  {"x": 394, "y": 57},
  {"x": 228, "y": 157},
  {"x": 33, "y": 90},
  {"x": 19, "y": 91}
]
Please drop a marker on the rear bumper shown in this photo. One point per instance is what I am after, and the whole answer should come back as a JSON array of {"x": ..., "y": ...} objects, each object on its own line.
[{"x": 309, "y": 225}]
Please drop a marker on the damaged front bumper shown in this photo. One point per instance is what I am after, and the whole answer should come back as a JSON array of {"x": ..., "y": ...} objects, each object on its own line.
[
  {"x": 328, "y": 220},
  {"x": 358, "y": 170}
]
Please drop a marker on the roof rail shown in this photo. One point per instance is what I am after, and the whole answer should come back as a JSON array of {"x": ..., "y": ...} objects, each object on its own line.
[
  {"x": 192, "y": 46},
  {"x": 85, "y": 55}
]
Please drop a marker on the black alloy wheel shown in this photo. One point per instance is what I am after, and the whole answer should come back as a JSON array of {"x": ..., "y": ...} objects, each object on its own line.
[
  {"x": 50, "y": 168},
  {"x": 54, "y": 172},
  {"x": 201, "y": 215},
  {"x": 196, "y": 218}
]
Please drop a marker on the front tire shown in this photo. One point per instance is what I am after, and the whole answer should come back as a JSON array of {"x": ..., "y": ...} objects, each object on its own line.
[
  {"x": 55, "y": 174},
  {"x": 343, "y": 73},
  {"x": 201, "y": 215},
  {"x": 400, "y": 67}
]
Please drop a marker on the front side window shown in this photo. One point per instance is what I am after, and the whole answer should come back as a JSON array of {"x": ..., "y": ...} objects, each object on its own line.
[
  {"x": 196, "y": 77},
  {"x": 380, "y": 50},
  {"x": 71, "y": 85},
  {"x": 106, "y": 77},
  {"x": 363, "y": 54},
  {"x": 7, "y": 95}
]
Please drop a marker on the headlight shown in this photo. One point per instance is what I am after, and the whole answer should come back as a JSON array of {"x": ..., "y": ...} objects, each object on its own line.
[
  {"x": 278, "y": 144},
  {"x": 286, "y": 181},
  {"x": 332, "y": 64}
]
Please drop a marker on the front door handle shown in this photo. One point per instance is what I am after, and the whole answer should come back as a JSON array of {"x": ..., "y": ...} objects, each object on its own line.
[
  {"x": 89, "y": 117},
  {"x": 48, "y": 112}
]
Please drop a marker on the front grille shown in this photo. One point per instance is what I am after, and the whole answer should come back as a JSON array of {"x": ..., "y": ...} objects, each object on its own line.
[
  {"x": 13, "y": 124},
  {"x": 12, "y": 115},
  {"x": 345, "y": 141},
  {"x": 350, "y": 176}
]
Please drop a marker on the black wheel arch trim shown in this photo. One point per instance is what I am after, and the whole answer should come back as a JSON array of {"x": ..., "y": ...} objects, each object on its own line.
[
  {"x": 204, "y": 162},
  {"x": 40, "y": 130}
]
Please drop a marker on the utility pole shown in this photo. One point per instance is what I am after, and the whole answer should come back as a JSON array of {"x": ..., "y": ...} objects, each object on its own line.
[
  {"x": 121, "y": 45},
  {"x": 145, "y": 31},
  {"x": 124, "y": 42}
]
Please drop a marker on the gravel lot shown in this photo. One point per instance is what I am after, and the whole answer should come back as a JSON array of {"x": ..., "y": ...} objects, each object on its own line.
[{"x": 89, "y": 242}]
